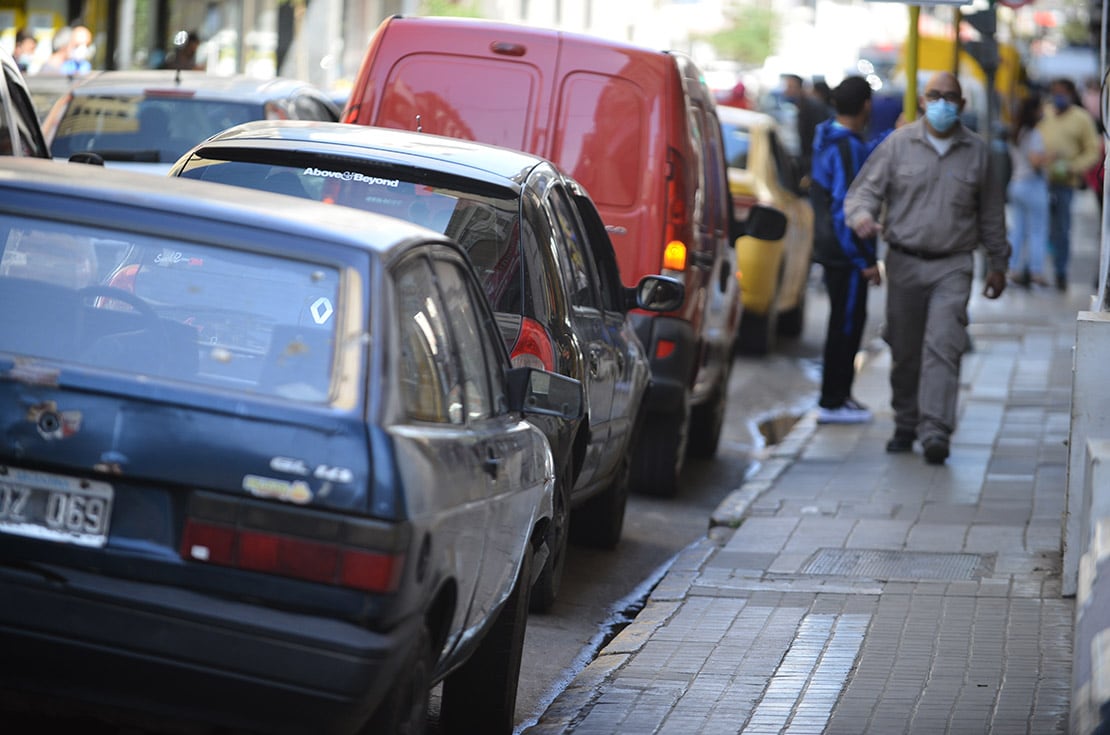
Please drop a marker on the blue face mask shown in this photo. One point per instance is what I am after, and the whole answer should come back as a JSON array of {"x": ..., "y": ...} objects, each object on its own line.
[
  {"x": 1060, "y": 102},
  {"x": 941, "y": 115}
]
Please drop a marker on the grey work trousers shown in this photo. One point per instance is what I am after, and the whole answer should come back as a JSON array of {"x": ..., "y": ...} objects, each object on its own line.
[{"x": 926, "y": 328}]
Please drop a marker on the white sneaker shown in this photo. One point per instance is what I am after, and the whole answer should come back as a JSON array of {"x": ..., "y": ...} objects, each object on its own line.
[{"x": 851, "y": 412}]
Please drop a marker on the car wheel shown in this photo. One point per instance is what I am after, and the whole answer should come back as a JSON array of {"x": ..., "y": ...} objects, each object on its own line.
[
  {"x": 661, "y": 452},
  {"x": 707, "y": 420},
  {"x": 599, "y": 522},
  {"x": 480, "y": 696},
  {"x": 404, "y": 711},
  {"x": 757, "y": 333},
  {"x": 791, "y": 322},
  {"x": 547, "y": 585}
]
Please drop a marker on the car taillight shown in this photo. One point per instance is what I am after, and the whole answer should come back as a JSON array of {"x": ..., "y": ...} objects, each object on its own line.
[
  {"x": 677, "y": 217},
  {"x": 351, "y": 115},
  {"x": 742, "y": 205},
  {"x": 124, "y": 278},
  {"x": 274, "y": 111},
  {"x": 533, "y": 346},
  {"x": 357, "y": 553}
]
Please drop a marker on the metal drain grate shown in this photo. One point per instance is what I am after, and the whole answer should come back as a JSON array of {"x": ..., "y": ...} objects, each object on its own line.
[{"x": 894, "y": 565}]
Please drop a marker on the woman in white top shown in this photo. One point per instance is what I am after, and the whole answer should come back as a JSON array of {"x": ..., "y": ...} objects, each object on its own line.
[{"x": 1027, "y": 196}]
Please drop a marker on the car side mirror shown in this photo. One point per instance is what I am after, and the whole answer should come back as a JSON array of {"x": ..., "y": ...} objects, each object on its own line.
[
  {"x": 655, "y": 293},
  {"x": 763, "y": 223},
  {"x": 533, "y": 391}
]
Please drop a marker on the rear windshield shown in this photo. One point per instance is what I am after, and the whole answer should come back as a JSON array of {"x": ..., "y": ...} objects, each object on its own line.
[
  {"x": 167, "y": 309},
  {"x": 485, "y": 224},
  {"x": 737, "y": 140},
  {"x": 142, "y": 128}
]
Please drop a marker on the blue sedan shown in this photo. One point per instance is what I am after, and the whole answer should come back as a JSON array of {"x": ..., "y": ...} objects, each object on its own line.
[{"x": 264, "y": 464}]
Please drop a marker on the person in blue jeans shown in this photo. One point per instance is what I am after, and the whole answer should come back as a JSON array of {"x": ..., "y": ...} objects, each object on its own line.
[
  {"x": 850, "y": 262},
  {"x": 1028, "y": 196},
  {"x": 1071, "y": 137}
]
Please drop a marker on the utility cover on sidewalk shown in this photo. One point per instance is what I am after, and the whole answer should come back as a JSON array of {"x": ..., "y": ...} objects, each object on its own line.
[{"x": 895, "y": 565}]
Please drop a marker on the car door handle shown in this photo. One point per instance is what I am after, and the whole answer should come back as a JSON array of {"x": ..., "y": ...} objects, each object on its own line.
[{"x": 492, "y": 464}]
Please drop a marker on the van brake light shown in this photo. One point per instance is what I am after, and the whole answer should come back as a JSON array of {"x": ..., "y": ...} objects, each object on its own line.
[{"x": 676, "y": 213}]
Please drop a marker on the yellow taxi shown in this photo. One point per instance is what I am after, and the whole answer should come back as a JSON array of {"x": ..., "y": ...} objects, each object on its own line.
[{"x": 773, "y": 274}]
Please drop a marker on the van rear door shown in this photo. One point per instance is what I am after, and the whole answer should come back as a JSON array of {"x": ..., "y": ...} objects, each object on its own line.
[
  {"x": 489, "y": 83},
  {"x": 609, "y": 136}
]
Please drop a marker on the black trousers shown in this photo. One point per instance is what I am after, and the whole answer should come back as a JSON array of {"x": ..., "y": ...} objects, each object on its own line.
[{"x": 847, "y": 289}]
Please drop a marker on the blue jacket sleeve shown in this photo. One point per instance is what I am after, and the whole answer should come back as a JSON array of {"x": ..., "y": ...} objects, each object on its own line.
[{"x": 860, "y": 252}]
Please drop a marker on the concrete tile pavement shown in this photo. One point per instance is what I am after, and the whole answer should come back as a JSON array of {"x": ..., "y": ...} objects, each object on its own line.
[{"x": 842, "y": 589}]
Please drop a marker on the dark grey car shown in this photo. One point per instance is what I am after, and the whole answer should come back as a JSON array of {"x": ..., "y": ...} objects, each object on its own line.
[
  {"x": 541, "y": 252},
  {"x": 263, "y": 463}
]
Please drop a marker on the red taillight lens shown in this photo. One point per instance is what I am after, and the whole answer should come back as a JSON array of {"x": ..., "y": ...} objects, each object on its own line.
[
  {"x": 664, "y": 348},
  {"x": 351, "y": 115},
  {"x": 240, "y": 536},
  {"x": 274, "y": 111},
  {"x": 124, "y": 278},
  {"x": 533, "y": 346}
]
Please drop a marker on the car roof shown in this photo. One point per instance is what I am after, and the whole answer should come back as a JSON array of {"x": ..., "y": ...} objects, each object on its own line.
[
  {"x": 464, "y": 158},
  {"x": 200, "y": 85},
  {"x": 215, "y": 202},
  {"x": 510, "y": 28}
]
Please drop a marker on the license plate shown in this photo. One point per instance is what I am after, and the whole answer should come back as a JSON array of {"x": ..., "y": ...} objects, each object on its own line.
[{"x": 53, "y": 507}]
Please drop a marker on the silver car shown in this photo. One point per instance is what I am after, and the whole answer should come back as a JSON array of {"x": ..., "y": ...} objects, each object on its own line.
[
  {"x": 146, "y": 119},
  {"x": 20, "y": 134}
]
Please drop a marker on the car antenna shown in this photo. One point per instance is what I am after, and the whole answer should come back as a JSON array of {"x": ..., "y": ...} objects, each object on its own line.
[{"x": 419, "y": 127}]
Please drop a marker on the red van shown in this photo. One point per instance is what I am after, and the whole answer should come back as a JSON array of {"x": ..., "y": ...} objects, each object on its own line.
[{"x": 638, "y": 129}]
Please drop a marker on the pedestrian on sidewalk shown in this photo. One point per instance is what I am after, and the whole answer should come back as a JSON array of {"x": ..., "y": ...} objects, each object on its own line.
[
  {"x": 1028, "y": 196},
  {"x": 933, "y": 178},
  {"x": 850, "y": 262},
  {"x": 1071, "y": 137}
]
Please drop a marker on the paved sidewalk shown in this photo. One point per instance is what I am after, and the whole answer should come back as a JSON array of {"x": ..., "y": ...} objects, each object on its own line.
[{"x": 844, "y": 590}]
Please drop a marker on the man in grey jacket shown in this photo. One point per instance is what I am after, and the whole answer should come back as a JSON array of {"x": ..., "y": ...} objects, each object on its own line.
[{"x": 932, "y": 176}]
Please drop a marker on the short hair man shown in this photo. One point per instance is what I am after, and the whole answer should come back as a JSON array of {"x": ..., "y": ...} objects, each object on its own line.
[
  {"x": 933, "y": 178},
  {"x": 849, "y": 261}
]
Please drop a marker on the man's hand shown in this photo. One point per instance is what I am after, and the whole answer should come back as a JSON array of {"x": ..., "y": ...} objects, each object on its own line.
[
  {"x": 867, "y": 227},
  {"x": 873, "y": 276},
  {"x": 996, "y": 284}
]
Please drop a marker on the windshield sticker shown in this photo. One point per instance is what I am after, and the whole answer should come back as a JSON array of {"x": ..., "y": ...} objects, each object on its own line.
[
  {"x": 174, "y": 257},
  {"x": 352, "y": 176},
  {"x": 296, "y": 491}
]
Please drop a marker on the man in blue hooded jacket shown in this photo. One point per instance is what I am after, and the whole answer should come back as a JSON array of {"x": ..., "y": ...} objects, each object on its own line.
[{"x": 850, "y": 262}]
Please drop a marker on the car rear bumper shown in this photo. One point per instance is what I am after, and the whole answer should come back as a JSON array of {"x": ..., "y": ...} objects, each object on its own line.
[
  {"x": 142, "y": 648},
  {"x": 672, "y": 349}
]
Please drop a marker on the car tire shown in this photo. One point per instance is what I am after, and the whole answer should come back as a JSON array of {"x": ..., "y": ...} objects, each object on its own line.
[
  {"x": 756, "y": 336},
  {"x": 707, "y": 420},
  {"x": 480, "y": 696},
  {"x": 404, "y": 709},
  {"x": 546, "y": 587},
  {"x": 793, "y": 321},
  {"x": 661, "y": 452},
  {"x": 599, "y": 522}
]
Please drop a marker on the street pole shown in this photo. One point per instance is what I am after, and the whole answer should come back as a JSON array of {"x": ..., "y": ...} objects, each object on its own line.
[{"x": 909, "y": 99}]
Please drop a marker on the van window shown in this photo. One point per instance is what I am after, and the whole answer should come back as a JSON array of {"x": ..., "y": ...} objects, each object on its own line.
[
  {"x": 716, "y": 175},
  {"x": 600, "y": 137},
  {"x": 493, "y": 108}
]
